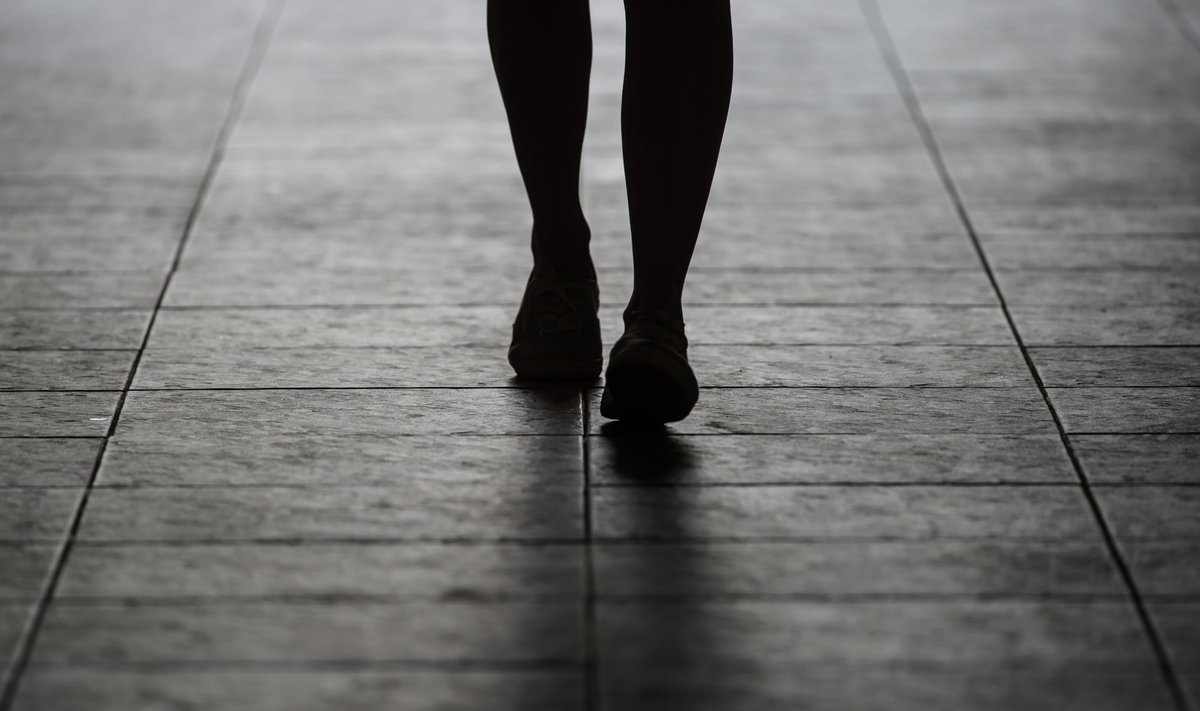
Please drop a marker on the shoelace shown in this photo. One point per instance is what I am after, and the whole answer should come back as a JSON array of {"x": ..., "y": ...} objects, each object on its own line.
[
  {"x": 554, "y": 310},
  {"x": 657, "y": 323}
]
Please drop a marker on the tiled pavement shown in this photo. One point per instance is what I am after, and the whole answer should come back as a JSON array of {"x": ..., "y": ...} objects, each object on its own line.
[{"x": 260, "y": 448}]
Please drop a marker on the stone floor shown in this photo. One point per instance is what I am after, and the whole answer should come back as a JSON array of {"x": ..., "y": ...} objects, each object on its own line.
[{"x": 261, "y": 449}]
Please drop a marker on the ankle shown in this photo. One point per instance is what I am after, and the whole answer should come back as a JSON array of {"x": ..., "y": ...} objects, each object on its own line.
[
  {"x": 565, "y": 249},
  {"x": 671, "y": 311},
  {"x": 667, "y": 301}
]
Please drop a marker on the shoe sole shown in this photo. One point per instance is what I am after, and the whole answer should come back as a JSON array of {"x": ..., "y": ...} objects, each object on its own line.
[
  {"x": 553, "y": 369},
  {"x": 644, "y": 384}
]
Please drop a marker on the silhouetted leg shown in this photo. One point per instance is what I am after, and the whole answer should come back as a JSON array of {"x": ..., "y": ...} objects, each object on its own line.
[
  {"x": 678, "y": 77},
  {"x": 542, "y": 52}
]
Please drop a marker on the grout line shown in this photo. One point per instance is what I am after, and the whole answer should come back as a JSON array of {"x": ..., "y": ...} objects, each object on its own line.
[
  {"x": 591, "y": 685},
  {"x": 547, "y": 542},
  {"x": 592, "y": 485},
  {"x": 782, "y": 484},
  {"x": 552, "y": 388},
  {"x": 891, "y": 56},
  {"x": 259, "y": 666},
  {"x": 255, "y": 53},
  {"x": 781, "y": 304},
  {"x": 52, "y": 436},
  {"x": 803, "y": 596},
  {"x": 351, "y": 436},
  {"x": 607, "y": 305}
]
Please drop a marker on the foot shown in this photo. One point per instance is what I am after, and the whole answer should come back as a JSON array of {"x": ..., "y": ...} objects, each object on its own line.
[
  {"x": 649, "y": 380},
  {"x": 556, "y": 334}
]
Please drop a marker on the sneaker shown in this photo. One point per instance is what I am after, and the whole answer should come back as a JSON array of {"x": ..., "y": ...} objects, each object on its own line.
[
  {"x": 556, "y": 334},
  {"x": 648, "y": 379}
]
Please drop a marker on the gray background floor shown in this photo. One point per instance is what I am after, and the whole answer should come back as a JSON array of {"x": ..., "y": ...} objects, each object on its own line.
[{"x": 261, "y": 449}]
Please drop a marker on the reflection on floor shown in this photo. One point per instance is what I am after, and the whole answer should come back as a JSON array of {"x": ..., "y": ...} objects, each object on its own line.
[{"x": 259, "y": 447}]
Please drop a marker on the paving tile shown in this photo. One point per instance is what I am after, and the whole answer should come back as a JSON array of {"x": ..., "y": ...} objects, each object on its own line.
[
  {"x": 36, "y": 514},
  {"x": 1119, "y": 287},
  {"x": 1119, "y": 218},
  {"x": 1121, "y": 409},
  {"x": 1100, "y": 83},
  {"x": 486, "y": 284},
  {"x": 879, "y": 325},
  {"x": 65, "y": 370},
  {"x": 1093, "y": 251},
  {"x": 839, "y": 235},
  {"x": 350, "y": 690},
  {"x": 360, "y": 327},
  {"x": 334, "y": 327},
  {"x": 378, "y": 143},
  {"x": 429, "y": 143},
  {"x": 455, "y": 82},
  {"x": 901, "y": 175},
  {"x": 61, "y": 196},
  {"x": 55, "y": 414},
  {"x": 1118, "y": 367},
  {"x": 828, "y": 512},
  {"x": 859, "y": 366},
  {"x": 1073, "y": 173},
  {"x": 828, "y": 459},
  {"x": 445, "y": 572},
  {"x": 1074, "y": 121},
  {"x": 1071, "y": 144},
  {"x": 860, "y": 122},
  {"x": 1094, "y": 41},
  {"x": 324, "y": 286},
  {"x": 1006, "y": 115},
  {"x": 52, "y": 161},
  {"x": 87, "y": 246},
  {"x": 1165, "y": 568},
  {"x": 794, "y": 239},
  {"x": 26, "y": 568},
  {"x": 455, "y": 245},
  {"x": 870, "y": 287},
  {"x": 154, "y": 458},
  {"x": 720, "y": 635},
  {"x": 838, "y": 64},
  {"x": 1181, "y": 633},
  {"x": 171, "y": 127},
  {"x": 418, "y": 203},
  {"x": 181, "y": 415},
  {"x": 178, "y": 367},
  {"x": 770, "y": 685},
  {"x": 123, "y": 290},
  {"x": 196, "y": 62},
  {"x": 900, "y": 366},
  {"x": 244, "y": 633},
  {"x": 12, "y": 622},
  {"x": 46, "y": 462},
  {"x": 308, "y": 23},
  {"x": 862, "y": 411},
  {"x": 492, "y": 247},
  {"x": 71, "y": 329},
  {"x": 1151, "y": 512},
  {"x": 940, "y": 15},
  {"x": 407, "y": 509},
  {"x": 1139, "y": 458},
  {"x": 846, "y": 569},
  {"x": 1108, "y": 325}
]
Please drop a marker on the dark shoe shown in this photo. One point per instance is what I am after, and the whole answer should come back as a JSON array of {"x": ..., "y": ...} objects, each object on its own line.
[
  {"x": 648, "y": 379},
  {"x": 557, "y": 330}
]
